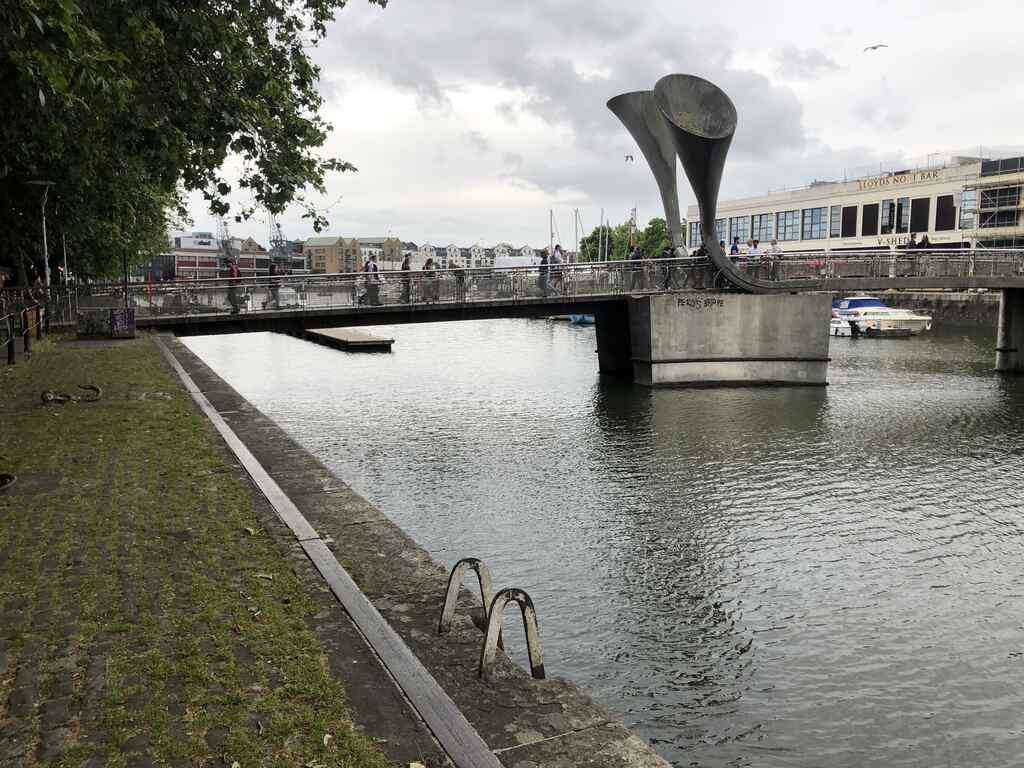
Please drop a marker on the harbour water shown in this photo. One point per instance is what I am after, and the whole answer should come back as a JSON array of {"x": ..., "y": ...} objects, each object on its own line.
[{"x": 748, "y": 577}]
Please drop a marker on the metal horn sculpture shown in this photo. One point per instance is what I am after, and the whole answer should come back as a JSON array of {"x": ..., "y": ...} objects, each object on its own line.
[
  {"x": 701, "y": 119},
  {"x": 645, "y": 124}
]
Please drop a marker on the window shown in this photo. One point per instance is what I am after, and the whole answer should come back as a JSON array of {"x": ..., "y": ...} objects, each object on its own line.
[
  {"x": 787, "y": 225},
  {"x": 1000, "y": 197},
  {"x": 763, "y": 229},
  {"x": 720, "y": 229},
  {"x": 835, "y": 221},
  {"x": 850, "y": 221},
  {"x": 903, "y": 214},
  {"x": 815, "y": 225},
  {"x": 945, "y": 213},
  {"x": 869, "y": 220},
  {"x": 998, "y": 219},
  {"x": 968, "y": 202},
  {"x": 695, "y": 240},
  {"x": 919, "y": 210},
  {"x": 888, "y": 217},
  {"x": 739, "y": 226}
]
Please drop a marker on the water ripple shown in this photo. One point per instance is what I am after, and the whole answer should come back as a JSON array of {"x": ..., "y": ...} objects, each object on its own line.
[{"x": 748, "y": 577}]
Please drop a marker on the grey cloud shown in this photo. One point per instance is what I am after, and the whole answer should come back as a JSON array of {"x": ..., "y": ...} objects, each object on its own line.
[
  {"x": 426, "y": 48},
  {"x": 511, "y": 158},
  {"x": 478, "y": 141},
  {"x": 804, "y": 64},
  {"x": 886, "y": 114}
]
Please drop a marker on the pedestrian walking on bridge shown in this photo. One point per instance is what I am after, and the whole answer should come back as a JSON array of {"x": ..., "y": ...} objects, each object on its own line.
[
  {"x": 373, "y": 281},
  {"x": 406, "y": 279},
  {"x": 636, "y": 282},
  {"x": 234, "y": 273},
  {"x": 557, "y": 274}
]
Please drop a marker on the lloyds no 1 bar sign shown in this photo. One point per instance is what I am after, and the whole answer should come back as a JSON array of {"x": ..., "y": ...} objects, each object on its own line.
[{"x": 899, "y": 179}]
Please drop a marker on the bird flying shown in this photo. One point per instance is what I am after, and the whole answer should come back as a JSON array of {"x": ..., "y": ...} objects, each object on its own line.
[
  {"x": 629, "y": 158},
  {"x": 876, "y": 47}
]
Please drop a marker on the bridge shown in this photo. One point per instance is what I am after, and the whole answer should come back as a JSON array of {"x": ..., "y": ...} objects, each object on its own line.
[{"x": 681, "y": 320}]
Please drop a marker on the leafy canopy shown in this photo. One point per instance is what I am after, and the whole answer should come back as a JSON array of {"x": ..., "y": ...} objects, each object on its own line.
[
  {"x": 126, "y": 106},
  {"x": 652, "y": 240}
]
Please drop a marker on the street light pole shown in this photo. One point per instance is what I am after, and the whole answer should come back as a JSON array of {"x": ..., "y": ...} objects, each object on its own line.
[{"x": 46, "y": 255}]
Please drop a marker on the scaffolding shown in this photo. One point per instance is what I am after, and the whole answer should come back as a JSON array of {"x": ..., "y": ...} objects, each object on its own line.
[{"x": 995, "y": 201}]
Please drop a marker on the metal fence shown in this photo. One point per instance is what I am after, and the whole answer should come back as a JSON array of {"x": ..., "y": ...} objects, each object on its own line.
[
  {"x": 414, "y": 288},
  {"x": 424, "y": 288},
  {"x": 29, "y": 313},
  {"x": 890, "y": 264}
]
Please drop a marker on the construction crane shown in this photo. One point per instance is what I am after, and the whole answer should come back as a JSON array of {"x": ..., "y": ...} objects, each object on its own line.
[
  {"x": 227, "y": 250},
  {"x": 279, "y": 251}
]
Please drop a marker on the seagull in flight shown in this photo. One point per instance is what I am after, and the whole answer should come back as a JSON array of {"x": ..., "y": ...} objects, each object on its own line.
[
  {"x": 629, "y": 158},
  {"x": 876, "y": 47}
]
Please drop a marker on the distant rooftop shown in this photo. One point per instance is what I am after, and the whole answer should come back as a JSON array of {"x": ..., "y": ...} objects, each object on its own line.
[{"x": 322, "y": 241}]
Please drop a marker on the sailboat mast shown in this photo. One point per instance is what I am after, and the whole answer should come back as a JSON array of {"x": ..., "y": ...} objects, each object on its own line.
[
  {"x": 551, "y": 231},
  {"x": 576, "y": 229},
  {"x": 600, "y": 238}
]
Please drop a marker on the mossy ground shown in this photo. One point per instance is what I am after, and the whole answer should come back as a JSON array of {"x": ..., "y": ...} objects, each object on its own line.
[{"x": 146, "y": 617}]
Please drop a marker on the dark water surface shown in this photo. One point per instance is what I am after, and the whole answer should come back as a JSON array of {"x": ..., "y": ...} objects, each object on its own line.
[{"x": 761, "y": 577}]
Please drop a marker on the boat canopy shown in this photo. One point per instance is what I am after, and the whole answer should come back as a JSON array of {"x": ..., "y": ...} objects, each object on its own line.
[{"x": 857, "y": 302}]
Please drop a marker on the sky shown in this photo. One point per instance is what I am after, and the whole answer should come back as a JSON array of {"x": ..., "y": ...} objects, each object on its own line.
[{"x": 470, "y": 120}]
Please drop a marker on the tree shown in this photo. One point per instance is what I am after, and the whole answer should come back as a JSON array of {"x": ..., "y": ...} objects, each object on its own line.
[
  {"x": 128, "y": 106},
  {"x": 652, "y": 241}
]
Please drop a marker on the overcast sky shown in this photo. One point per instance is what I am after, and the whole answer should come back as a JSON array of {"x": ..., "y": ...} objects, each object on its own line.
[{"x": 470, "y": 119}]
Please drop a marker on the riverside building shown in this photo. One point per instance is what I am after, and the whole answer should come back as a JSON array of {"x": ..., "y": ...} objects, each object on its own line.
[{"x": 968, "y": 202}]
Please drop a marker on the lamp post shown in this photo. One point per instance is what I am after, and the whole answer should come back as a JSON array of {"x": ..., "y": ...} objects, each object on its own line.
[{"x": 46, "y": 256}]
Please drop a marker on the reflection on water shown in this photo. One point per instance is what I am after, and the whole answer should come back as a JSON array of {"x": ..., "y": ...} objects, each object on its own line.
[{"x": 761, "y": 577}]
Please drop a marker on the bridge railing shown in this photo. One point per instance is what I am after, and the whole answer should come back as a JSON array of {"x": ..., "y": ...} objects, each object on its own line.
[
  {"x": 414, "y": 288},
  {"x": 886, "y": 263},
  {"x": 419, "y": 288}
]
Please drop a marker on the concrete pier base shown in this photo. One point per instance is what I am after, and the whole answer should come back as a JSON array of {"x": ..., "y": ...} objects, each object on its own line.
[
  {"x": 729, "y": 339},
  {"x": 1010, "y": 336},
  {"x": 614, "y": 350}
]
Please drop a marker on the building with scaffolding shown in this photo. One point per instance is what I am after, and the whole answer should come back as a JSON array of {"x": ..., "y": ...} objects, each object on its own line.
[{"x": 965, "y": 202}]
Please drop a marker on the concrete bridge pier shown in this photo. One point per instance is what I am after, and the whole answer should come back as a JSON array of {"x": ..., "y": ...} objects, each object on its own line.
[
  {"x": 719, "y": 339},
  {"x": 614, "y": 348},
  {"x": 1010, "y": 337}
]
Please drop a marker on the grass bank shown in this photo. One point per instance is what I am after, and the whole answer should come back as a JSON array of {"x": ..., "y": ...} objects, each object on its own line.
[{"x": 146, "y": 618}]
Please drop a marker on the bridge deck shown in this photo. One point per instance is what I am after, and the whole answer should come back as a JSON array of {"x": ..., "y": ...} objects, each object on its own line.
[{"x": 326, "y": 301}]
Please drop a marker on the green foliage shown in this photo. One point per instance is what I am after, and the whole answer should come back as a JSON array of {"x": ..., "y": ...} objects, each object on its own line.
[
  {"x": 128, "y": 106},
  {"x": 653, "y": 240}
]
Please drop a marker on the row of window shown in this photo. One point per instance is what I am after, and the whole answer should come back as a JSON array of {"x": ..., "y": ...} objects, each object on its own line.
[{"x": 900, "y": 215}]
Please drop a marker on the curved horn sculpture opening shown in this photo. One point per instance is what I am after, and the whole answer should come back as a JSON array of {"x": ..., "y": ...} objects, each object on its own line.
[
  {"x": 702, "y": 119},
  {"x": 645, "y": 124}
]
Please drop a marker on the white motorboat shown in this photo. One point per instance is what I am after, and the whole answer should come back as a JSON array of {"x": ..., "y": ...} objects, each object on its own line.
[
  {"x": 867, "y": 315},
  {"x": 839, "y": 327}
]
